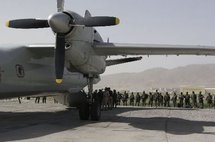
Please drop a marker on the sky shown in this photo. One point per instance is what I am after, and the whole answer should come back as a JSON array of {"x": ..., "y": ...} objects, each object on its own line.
[{"x": 189, "y": 22}]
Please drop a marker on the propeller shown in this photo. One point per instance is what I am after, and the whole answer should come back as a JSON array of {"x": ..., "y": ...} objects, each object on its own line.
[
  {"x": 59, "y": 57},
  {"x": 60, "y": 42},
  {"x": 62, "y": 23},
  {"x": 27, "y": 23}
]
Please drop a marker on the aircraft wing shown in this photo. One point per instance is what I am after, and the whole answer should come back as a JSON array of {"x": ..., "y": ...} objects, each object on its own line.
[{"x": 108, "y": 49}]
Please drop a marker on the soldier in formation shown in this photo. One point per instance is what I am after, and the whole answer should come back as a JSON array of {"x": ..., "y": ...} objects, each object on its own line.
[
  {"x": 181, "y": 100},
  {"x": 160, "y": 99},
  {"x": 125, "y": 98},
  {"x": 137, "y": 100},
  {"x": 132, "y": 99},
  {"x": 110, "y": 99},
  {"x": 209, "y": 100},
  {"x": 194, "y": 99},
  {"x": 174, "y": 99},
  {"x": 187, "y": 100},
  {"x": 150, "y": 99},
  {"x": 119, "y": 98},
  {"x": 156, "y": 98},
  {"x": 144, "y": 97},
  {"x": 201, "y": 100},
  {"x": 114, "y": 99},
  {"x": 167, "y": 100}
]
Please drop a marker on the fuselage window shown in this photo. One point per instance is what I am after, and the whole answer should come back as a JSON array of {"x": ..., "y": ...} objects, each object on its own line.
[{"x": 20, "y": 71}]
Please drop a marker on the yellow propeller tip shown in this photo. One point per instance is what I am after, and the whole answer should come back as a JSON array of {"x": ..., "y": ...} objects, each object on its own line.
[
  {"x": 59, "y": 81},
  {"x": 117, "y": 21},
  {"x": 7, "y": 24}
]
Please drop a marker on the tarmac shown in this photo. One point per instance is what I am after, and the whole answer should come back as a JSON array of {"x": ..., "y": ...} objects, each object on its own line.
[{"x": 30, "y": 122}]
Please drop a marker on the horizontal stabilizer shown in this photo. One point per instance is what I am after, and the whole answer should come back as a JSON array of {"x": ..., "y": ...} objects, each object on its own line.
[{"x": 121, "y": 61}]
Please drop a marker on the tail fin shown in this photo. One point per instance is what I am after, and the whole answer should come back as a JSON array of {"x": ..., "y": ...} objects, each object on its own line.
[{"x": 87, "y": 14}]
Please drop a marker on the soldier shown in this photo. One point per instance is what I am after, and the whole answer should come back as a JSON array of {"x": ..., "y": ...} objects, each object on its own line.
[
  {"x": 187, "y": 100},
  {"x": 106, "y": 96},
  {"x": 174, "y": 99},
  {"x": 95, "y": 95},
  {"x": 209, "y": 100},
  {"x": 125, "y": 99},
  {"x": 181, "y": 100},
  {"x": 214, "y": 101},
  {"x": 160, "y": 99},
  {"x": 44, "y": 99},
  {"x": 201, "y": 100},
  {"x": 167, "y": 100},
  {"x": 156, "y": 98},
  {"x": 114, "y": 98},
  {"x": 144, "y": 97},
  {"x": 110, "y": 101},
  {"x": 100, "y": 96},
  {"x": 194, "y": 100},
  {"x": 137, "y": 99},
  {"x": 37, "y": 100},
  {"x": 132, "y": 99},
  {"x": 119, "y": 98},
  {"x": 150, "y": 99},
  {"x": 19, "y": 99}
]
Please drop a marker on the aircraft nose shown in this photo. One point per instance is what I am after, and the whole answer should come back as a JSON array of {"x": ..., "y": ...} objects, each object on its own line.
[{"x": 59, "y": 22}]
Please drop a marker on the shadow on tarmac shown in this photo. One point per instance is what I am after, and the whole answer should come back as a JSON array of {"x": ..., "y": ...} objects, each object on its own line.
[{"x": 20, "y": 126}]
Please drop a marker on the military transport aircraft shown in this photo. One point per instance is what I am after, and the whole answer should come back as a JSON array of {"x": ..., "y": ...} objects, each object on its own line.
[{"x": 76, "y": 60}]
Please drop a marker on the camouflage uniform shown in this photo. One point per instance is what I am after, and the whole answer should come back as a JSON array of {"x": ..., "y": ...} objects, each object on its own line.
[
  {"x": 105, "y": 101},
  {"x": 150, "y": 99},
  {"x": 181, "y": 100},
  {"x": 187, "y": 100},
  {"x": 114, "y": 98},
  {"x": 144, "y": 97},
  {"x": 194, "y": 100},
  {"x": 125, "y": 99},
  {"x": 132, "y": 99},
  {"x": 167, "y": 100},
  {"x": 160, "y": 99},
  {"x": 137, "y": 99},
  {"x": 201, "y": 100},
  {"x": 174, "y": 99},
  {"x": 209, "y": 100},
  {"x": 119, "y": 97},
  {"x": 156, "y": 98}
]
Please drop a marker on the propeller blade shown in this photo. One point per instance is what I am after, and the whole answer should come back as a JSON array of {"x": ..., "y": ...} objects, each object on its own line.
[
  {"x": 98, "y": 21},
  {"x": 59, "y": 58},
  {"x": 27, "y": 23},
  {"x": 60, "y": 5}
]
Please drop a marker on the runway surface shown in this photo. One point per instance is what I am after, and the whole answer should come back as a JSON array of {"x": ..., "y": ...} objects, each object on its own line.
[{"x": 29, "y": 122}]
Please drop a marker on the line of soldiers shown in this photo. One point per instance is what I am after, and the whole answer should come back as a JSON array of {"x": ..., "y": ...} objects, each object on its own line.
[
  {"x": 107, "y": 98},
  {"x": 158, "y": 100}
]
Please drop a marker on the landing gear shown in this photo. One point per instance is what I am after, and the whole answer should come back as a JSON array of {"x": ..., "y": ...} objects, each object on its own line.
[
  {"x": 92, "y": 107},
  {"x": 95, "y": 111},
  {"x": 95, "y": 106},
  {"x": 84, "y": 111}
]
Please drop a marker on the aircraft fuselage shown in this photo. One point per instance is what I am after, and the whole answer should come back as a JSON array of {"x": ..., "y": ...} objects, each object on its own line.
[{"x": 21, "y": 74}]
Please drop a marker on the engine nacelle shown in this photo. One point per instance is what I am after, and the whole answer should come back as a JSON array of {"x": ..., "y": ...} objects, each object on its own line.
[{"x": 71, "y": 100}]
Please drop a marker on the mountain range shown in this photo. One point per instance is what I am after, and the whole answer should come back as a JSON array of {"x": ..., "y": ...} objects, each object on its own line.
[{"x": 191, "y": 75}]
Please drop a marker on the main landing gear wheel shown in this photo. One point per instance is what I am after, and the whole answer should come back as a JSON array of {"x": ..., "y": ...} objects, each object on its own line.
[
  {"x": 95, "y": 111},
  {"x": 84, "y": 111}
]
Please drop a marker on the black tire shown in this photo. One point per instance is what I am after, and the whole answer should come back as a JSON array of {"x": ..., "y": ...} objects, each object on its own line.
[
  {"x": 84, "y": 111},
  {"x": 95, "y": 111}
]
